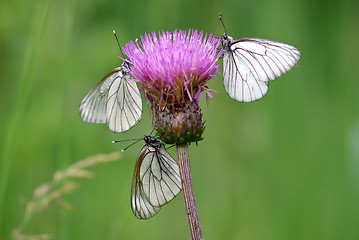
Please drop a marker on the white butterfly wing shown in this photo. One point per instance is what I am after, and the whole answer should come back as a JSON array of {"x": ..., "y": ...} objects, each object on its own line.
[
  {"x": 156, "y": 181},
  {"x": 141, "y": 207},
  {"x": 124, "y": 107},
  {"x": 239, "y": 81},
  {"x": 93, "y": 106},
  {"x": 251, "y": 63}
]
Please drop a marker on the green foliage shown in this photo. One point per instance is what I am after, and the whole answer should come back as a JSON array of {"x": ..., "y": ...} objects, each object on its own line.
[
  {"x": 62, "y": 183},
  {"x": 284, "y": 167}
]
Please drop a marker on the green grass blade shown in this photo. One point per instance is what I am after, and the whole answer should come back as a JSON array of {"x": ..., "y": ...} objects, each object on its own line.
[{"x": 20, "y": 101}]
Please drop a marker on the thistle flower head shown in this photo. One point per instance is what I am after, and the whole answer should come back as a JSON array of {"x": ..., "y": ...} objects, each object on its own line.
[{"x": 173, "y": 69}]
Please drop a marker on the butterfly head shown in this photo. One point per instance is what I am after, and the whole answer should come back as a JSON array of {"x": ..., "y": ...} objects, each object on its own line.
[
  {"x": 226, "y": 41},
  {"x": 125, "y": 67},
  {"x": 152, "y": 141}
]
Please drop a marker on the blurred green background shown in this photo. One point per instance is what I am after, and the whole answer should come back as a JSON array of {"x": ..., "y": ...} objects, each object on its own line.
[{"x": 285, "y": 167}]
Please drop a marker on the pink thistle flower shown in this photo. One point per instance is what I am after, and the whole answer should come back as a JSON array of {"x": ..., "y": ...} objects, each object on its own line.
[
  {"x": 173, "y": 69},
  {"x": 173, "y": 63}
]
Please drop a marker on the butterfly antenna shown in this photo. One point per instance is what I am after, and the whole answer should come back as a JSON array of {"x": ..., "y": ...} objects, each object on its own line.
[
  {"x": 131, "y": 145},
  {"x": 135, "y": 141},
  {"x": 224, "y": 26},
  {"x": 118, "y": 42}
]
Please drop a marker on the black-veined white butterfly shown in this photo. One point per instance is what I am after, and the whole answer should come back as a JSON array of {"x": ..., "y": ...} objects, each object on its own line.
[
  {"x": 250, "y": 63},
  {"x": 156, "y": 179},
  {"x": 115, "y": 100}
]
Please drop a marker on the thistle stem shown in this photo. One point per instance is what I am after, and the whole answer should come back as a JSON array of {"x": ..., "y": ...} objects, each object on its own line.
[{"x": 188, "y": 193}]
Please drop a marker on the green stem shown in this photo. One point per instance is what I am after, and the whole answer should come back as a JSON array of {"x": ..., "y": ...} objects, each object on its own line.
[
  {"x": 28, "y": 214},
  {"x": 188, "y": 193}
]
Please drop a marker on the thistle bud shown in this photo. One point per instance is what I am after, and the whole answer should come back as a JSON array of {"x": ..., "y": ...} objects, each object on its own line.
[{"x": 180, "y": 125}]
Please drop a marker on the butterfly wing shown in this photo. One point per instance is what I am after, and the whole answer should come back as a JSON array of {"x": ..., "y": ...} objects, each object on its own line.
[
  {"x": 239, "y": 81},
  {"x": 93, "y": 106},
  {"x": 140, "y": 205},
  {"x": 156, "y": 181},
  {"x": 250, "y": 63},
  {"x": 124, "y": 106}
]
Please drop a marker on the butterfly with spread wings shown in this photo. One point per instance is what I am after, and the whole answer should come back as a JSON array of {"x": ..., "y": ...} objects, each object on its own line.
[
  {"x": 115, "y": 100},
  {"x": 250, "y": 63},
  {"x": 156, "y": 179}
]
